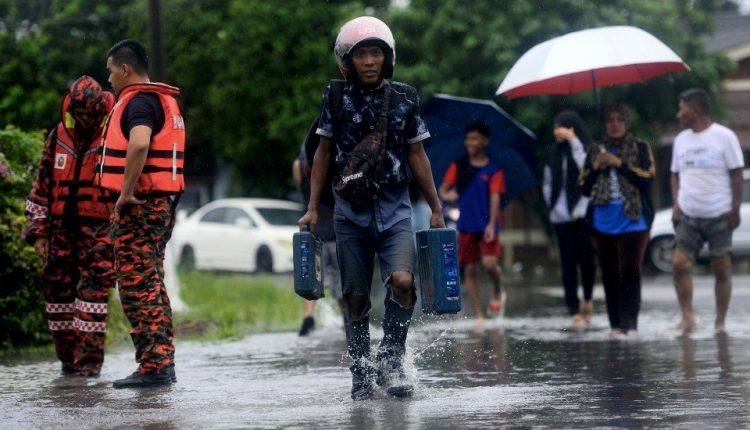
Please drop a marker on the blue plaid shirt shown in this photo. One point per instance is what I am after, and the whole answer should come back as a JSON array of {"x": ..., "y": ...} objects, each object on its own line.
[{"x": 357, "y": 117}]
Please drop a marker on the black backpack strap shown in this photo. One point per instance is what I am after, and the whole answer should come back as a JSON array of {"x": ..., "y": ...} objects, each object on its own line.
[
  {"x": 337, "y": 94},
  {"x": 382, "y": 125},
  {"x": 312, "y": 139}
]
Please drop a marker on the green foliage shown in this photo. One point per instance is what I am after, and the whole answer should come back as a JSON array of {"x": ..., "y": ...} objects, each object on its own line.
[
  {"x": 275, "y": 58},
  {"x": 21, "y": 298},
  {"x": 45, "y": 46}
]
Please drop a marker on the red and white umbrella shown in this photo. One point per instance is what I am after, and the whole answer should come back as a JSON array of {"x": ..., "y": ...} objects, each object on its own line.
[{"x": 588, "y": 59}]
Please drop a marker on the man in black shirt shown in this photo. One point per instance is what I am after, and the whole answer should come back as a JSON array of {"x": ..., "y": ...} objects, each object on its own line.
[{"x": 134, "y": 163}]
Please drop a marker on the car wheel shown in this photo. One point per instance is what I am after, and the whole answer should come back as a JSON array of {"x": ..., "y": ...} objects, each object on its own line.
[
  {"x": 660, "y": 252},
  {"x": 264, "y": 260},
  {"x": 187, "y": 258}
]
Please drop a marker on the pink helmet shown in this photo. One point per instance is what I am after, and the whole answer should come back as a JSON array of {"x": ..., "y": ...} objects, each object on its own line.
[{"x": 365, "y": 29}]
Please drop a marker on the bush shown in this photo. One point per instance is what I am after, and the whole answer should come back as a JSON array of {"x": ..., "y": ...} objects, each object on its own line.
[{"x": 21, "y": 296}]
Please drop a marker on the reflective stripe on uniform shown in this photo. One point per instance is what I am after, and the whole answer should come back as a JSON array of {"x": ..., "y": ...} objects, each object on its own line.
[
  {"x": 36, "y": 209},
  {"x": 89, "y": 326},
  {"x": 91, "y": 308},
  {"x": 66, "y": 147},
  {"x": 60, "y": 308},
  {"x": 60, "y": 325}
]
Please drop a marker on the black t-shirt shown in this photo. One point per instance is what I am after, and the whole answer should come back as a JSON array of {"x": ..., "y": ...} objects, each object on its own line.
[{"x": 143, "y": 109}]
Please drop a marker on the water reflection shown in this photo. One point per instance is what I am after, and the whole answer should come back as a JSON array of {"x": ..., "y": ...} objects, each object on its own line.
[
  {"x": 623, "y": 381},
  {"x": 687, "y": 345},
  {"x": 724, "y": 356},
  {"x": 488, "y": 356}
]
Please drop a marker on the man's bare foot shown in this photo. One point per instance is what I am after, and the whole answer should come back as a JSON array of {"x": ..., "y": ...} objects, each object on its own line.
[
  {"x": 686, "y": 325},
  {"x": 479, "y": 325},
  {"x": 616, "y": 332},
  {"x": 632, "y": 333},
  {"x": 720, "y": 327}
]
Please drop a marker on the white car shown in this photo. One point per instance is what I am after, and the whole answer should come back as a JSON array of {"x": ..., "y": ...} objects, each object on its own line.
[
  {"x": 242, "y": 234},
  {"x": 659, "y": 253}
]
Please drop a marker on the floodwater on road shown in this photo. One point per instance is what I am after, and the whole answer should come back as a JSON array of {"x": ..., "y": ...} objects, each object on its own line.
[{"x": 524, "y": 370}]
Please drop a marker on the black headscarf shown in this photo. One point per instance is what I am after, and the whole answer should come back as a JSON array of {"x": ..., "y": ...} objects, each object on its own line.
[{"x": 562, "y": 151}]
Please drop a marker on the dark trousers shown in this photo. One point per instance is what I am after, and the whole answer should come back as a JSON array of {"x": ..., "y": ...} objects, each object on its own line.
[
  {"x": 621, "y": 259},
  {"x": 576, "y": 251}
]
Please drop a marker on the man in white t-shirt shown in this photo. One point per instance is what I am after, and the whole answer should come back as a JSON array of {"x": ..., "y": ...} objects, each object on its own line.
[{"x": 707, "y": 191}]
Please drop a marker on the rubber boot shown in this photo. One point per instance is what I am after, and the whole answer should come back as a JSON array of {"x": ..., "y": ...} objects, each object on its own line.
[
  {"x": 390, "y": 357},
  {"x": 358, "y": 340}
]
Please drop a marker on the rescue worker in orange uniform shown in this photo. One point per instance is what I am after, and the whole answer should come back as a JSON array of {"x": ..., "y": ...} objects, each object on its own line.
[
  {"x": 69, "y": 228},
  {"x": 142, "y": 159}
]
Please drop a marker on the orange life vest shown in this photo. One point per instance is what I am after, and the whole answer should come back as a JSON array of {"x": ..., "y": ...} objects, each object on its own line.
[
  {"x": 73, "y": 172},
  {"x": 162, "y": 171}
]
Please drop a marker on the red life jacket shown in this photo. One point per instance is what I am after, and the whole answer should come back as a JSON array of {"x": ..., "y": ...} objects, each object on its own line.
[
  {"x": 162, "y": 171},
  {"x": 73, "y": 172}
]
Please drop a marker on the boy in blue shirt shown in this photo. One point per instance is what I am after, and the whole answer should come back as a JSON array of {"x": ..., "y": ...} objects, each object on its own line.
[{"x": 477, "y": 183}]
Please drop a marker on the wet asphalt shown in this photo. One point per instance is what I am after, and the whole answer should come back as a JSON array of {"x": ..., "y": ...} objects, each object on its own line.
[{"x": 525, "y": 370}]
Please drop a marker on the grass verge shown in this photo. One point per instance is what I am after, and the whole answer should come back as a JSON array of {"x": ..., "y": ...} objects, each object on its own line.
[{"x": 221, "y": 305}]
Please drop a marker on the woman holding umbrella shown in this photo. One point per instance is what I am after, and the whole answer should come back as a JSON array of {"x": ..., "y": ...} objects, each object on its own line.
[
  {"x": 567, "y": 212},
  {"x": 617, "y": 176}
]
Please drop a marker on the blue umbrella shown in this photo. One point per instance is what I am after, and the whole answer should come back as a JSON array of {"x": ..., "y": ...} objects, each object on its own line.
[{"x": 512, "y": 145}]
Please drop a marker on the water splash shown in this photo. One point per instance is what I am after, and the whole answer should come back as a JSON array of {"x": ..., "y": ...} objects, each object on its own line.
[
  {"x": 434, "y": 342},
  {"x": 171, "y": 279}
]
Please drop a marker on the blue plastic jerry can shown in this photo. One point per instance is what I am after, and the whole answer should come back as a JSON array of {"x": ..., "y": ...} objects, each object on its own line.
[
  {"x": 439, "y": 278},
  {"x": 308, "y": 270}
]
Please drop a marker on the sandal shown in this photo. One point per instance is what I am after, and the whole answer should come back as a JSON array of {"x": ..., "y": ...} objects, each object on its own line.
[{"x": 496, "y": 307}]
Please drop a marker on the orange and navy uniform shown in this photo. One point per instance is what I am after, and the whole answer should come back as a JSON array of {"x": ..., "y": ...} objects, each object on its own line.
[
  {"x": 474, "y": 186},
  {"x": 66, "y": 208},
  {"x": 141, "y": 235}
]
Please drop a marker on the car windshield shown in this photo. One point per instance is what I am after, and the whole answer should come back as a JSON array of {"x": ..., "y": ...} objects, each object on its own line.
[{"x": 280, "y": 216}]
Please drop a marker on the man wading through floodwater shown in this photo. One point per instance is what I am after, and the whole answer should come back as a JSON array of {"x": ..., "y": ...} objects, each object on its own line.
[{"x": 380, "y": 223}]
